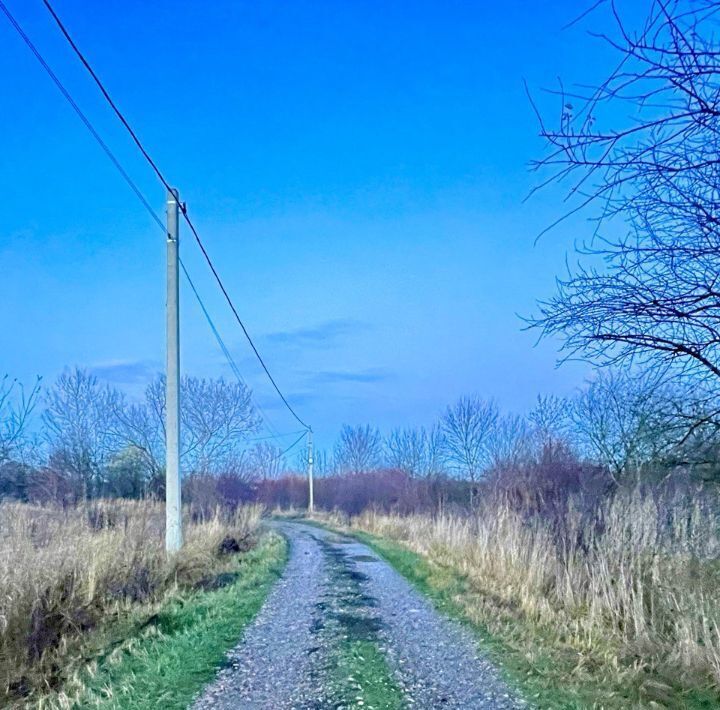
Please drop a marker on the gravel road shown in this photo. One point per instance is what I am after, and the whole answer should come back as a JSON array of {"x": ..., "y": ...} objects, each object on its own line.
[{"x": 333, "y": 588}]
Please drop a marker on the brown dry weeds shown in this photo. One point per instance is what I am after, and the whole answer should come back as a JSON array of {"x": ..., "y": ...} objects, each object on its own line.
[
  {"x": 632, "y": 595},
  {"x": 64, "y": 572}
]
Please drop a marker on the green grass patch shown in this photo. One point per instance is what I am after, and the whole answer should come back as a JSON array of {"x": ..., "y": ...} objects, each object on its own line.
[
  {"x": 363, "y": 678},
  {"x": 163, "y": 661}
]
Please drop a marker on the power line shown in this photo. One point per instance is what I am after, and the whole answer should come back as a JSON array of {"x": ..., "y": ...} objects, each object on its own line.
[
  {"x": 239, "y": 320},
  {"x": 226, "y": 351},
  {"x": 242, "y": 325},
  {"x": 292, "y": 446},
  {"x": 82, "y": 116},
  {"x": 107, "y": 96},
  {"x": 265, "y": 438},
  {"x": 183, "y": 207},
  {"x": 274, "y": 434},
  {"x": 133, "y": 186}
]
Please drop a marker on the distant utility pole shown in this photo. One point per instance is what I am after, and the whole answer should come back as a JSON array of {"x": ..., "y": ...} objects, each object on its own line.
[
  {"x": 173, "y": 502},
  {"x": 311, "y": 485}
]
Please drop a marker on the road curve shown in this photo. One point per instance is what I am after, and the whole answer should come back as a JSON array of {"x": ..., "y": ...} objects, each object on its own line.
[{"x": 332, "y": 586}]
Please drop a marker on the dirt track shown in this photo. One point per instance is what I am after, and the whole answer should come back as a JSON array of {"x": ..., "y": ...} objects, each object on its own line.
[{"x": 335, "y": 589}]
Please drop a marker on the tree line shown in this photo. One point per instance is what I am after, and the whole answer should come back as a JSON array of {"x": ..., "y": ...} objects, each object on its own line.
[{"x": 80, "y": 438}]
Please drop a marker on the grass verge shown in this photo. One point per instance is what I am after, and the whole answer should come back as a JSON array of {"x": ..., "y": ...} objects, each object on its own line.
[
  {"x": 68, "y": 575},
  {"x": 163, "y": 660}
]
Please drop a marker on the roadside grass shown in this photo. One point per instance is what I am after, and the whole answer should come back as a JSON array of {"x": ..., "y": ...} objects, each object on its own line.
[
  {"x": 547, "y": 668},
  {"x": 162, "y": 657},
  {"x": 69, "y": 574}
]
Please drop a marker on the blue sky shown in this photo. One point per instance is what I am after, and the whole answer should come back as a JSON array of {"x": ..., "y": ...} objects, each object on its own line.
[{"x": 357, "y": 171}]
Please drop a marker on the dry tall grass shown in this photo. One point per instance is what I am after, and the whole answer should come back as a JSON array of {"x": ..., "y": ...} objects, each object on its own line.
[
  {"x": 634, "y": 593},
  {"x": 63, "y": 572}
]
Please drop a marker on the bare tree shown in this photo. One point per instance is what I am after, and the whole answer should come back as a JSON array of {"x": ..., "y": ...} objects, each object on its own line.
[
  {"x": 549, "y": 418},
  {"x": 217, "y": 416},
  {"x": 624, "y": 421},
  {"x": 216, "y": 419},
  {"x": 323, "y": 462},
  {"x": 417, "y": 452},
  {"x": 652, "y": 294},
  {"x": 141, "y": 427},
  {"x": 266, "y": 460},
  {"x": 509, "y": 442},
  {"x": 358, "y": 449},
  {"x": 16, "y": 408},
  {"x": 467, "y": 428},
  {"x": 78, "y": 420},
  {"x": 239, "y": 467},
  {"x": 435, "y": 459},
  {"x": 405, "y": 450},
  {"x": 549, "y": 424}
]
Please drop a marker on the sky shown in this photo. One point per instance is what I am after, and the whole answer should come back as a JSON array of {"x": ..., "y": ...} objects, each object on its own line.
[{"x": 357, "y": 170}]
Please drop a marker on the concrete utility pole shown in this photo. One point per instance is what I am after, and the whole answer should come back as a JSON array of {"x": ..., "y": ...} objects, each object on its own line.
[
  {"x": 311, "y": 486},
  {"x": 173, "y": 501}
]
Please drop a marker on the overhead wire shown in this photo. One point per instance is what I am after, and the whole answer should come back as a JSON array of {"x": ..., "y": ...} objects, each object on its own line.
[
  {"x": 107, "y": 96},
  {"x": 274, "y": 434},
  {"x": 291, "y": 447},
  {"x": 138, "y": 193},
  {"x": 266, "y": 438},
  {"x": 86, "y": 121},
  {"x": 226, "y": 351},
  {"x": 183, "y": 207}
]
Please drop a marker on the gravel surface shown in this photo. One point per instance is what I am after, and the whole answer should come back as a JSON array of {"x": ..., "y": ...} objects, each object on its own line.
[{"x": 335, "y": 588}]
